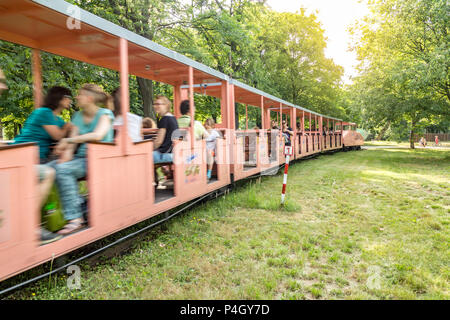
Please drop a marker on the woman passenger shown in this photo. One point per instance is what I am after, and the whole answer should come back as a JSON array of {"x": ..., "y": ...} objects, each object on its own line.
[
  {"x": 92, "y": 123},
  {"x": 167, "y": 124},
  {"x": 44, "y": 126}
]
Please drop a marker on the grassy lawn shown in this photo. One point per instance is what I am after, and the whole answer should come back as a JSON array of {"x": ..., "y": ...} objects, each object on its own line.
[{"x": 370, "y": 224}]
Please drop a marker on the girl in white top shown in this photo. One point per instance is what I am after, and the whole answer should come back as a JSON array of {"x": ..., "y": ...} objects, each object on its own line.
[
  {"x": 211, "y": 144},
  {"x": 134, "y": 121}
]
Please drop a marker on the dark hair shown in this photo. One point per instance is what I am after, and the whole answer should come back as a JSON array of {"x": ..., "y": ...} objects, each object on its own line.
[
  {"x": 184, "y": 107},
  {"x": 115, "y": 96},
  {"x": 54, "y": 97}
]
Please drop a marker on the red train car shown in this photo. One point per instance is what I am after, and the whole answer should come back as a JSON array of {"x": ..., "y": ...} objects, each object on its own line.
[
  {"x": 351, "y": 139},
  {"x": 42, "y": 26}
]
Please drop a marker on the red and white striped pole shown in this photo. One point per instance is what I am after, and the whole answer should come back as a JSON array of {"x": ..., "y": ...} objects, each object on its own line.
[{"x": 287, "y": 153}]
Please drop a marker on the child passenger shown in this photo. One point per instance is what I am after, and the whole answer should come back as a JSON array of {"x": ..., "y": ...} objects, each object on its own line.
[
  {"x": 211, "y": 145},
  {"x": 149, "y": 123}
]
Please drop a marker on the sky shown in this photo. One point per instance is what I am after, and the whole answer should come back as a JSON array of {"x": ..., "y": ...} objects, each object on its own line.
[{"x": 336, "y": 16}]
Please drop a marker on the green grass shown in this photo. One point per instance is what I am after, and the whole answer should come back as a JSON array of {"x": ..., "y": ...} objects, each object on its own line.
[
  {"x": 403, "y": 144},
  {"x": 370, "y": 224}
]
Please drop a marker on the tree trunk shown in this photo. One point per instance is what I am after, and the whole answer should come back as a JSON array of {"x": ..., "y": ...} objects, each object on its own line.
[
  {"x": 146, "y": 92},
  {"x": 411, "y": 135},
  {"x": 383, "y": 131},
  {"x": 236, "y": 116}
]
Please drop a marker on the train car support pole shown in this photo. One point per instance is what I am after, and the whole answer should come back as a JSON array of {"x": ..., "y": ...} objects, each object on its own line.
[{"x": 37, "y": 78}]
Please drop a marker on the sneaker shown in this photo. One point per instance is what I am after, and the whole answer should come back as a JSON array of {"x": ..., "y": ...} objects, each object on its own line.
[{"x": 48, "y": 237}]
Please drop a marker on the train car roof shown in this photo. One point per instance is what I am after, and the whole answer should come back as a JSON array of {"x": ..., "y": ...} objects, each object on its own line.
[{"x": 30, "y": 23}]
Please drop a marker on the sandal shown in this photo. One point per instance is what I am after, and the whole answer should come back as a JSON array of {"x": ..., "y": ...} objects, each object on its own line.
[{"x": 72, "y": 226}]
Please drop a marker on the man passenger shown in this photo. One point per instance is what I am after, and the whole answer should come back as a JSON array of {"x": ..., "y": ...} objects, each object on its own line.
[{"x": 185, "y": 122}]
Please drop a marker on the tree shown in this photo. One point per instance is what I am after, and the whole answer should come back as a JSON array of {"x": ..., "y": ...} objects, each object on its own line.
[{"x": 403, "y": 49}]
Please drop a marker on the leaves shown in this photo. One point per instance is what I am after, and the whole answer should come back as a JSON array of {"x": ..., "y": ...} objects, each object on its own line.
[
  {"x": 279, "y": 53},
  {"x": 405, "y": 60}
]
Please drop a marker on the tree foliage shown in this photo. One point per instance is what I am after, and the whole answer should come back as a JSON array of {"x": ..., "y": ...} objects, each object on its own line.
[
  {"x": 280, "y": 53},
  {"x": 405, "y": 60}
]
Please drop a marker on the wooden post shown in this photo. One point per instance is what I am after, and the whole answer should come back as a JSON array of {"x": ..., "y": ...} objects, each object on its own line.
[
  {"x": 267, "y": 116},
  {"x": 124, "y": 92},
  {"x": 191, "y": 105},
  {"x": 262, "y": 113},
  {"x": 246, "y": 117},
  {"x": 303, "y": 121},
  {"x": 224, "y": 107},
  {"x": 310, "y": 126},
  {"x": 177, "y": 98},
  {"x": 281, "y": 118}
]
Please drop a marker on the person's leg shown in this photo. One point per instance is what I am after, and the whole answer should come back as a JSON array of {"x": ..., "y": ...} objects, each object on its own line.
[
  {"x": 210, "y": 162},
  {"x": 167, "y": 172},
  {"x": 156, "y": 156},
  {"x": 46, "y": 179},
  {"x": 159, "y": 157},
  {"x": 67, "y": 174}
]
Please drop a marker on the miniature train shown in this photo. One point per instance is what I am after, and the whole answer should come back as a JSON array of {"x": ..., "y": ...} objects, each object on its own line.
[{"x": 121, "y": 174}]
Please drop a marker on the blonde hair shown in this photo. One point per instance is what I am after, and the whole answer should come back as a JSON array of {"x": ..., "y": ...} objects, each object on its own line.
[
  {"x": 100, "y": 96},
  {"x": 166, "y": 100}
]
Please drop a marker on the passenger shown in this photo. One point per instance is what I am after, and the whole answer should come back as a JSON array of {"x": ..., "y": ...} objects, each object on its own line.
[
  {"x": 92, "y": 123},
  {"x": 134, "y": 122},
  {"x": 149, "y": 123},
  {"x": 44, "y": 125},
  {"x": 274, "y": 125},
  {"x": 185, "y": 121},
  {"x": 167, "y": 124},
  {"x": 46, "y": 175},
  {"x": 299, "y": 127},
  {"x": 287, "y": 133},
  {"x": 211, "y": 145}
]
